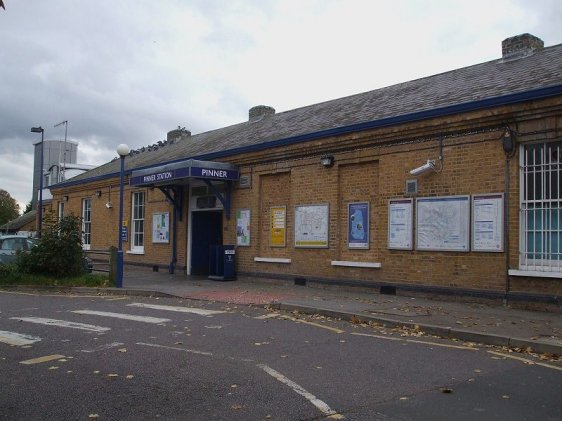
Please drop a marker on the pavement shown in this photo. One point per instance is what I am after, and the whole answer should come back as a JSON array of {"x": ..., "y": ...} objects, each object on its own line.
[{"x": 492, "y": 324}]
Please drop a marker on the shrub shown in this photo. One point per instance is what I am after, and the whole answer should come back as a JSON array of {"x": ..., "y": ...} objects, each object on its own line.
[{"x": 59, "y": 253}]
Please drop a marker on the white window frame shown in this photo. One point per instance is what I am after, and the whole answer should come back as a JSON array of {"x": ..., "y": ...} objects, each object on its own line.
[
  {"x": 138, "y": 222},
  {"x": 86, "y": 223},
  {"x": 61, "y": 210},
  {"x": 540, "y": 221}
]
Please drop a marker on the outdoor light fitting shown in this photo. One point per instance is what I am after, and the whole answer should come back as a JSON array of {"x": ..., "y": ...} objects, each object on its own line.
[{"x": 327, "y": 160}]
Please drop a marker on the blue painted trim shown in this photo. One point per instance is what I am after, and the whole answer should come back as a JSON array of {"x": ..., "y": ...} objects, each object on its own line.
[{"x": 498, "y": 101}]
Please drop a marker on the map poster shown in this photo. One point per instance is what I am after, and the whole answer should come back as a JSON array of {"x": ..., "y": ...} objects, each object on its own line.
[
  {"x": 161, "y": 227},
  {"x": 243, "y": 227},
  {"x": 358, "y": 225},
  {"x": 400, "y": 224},
  {"x": 311, "y": 226},
  {"x": 487, "y": 222},
  {"x": 278, "y": 226},
  {"x": 442, "y": 223}
]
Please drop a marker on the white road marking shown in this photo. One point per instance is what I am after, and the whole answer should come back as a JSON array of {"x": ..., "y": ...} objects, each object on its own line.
[
  {"x": 190, "y": 351},
  {"x": 62, "y": 323},
  {"x": 322, "y": 406},
  {"x": 17, "y": 339},
  {"x": 267, "y": 316},
  {"x": 145, "y": 319},
  {"x": 103, "y": 347},
  {"x": 199, "y": 311}
]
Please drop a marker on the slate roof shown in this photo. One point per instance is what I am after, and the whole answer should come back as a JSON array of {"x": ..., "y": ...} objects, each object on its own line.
[
  {"x": 467, "y": 85},
  {"x": 19, "y": 222}
]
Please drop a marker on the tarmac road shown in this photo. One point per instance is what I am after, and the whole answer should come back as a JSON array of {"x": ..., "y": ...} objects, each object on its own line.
[{"x": 119, "y": 358}]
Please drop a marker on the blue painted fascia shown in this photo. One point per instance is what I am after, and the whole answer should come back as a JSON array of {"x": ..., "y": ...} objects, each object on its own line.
[{"x": 498, "y": 101}]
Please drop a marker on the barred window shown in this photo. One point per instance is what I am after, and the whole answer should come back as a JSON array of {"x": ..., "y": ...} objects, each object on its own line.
[
  {"x": 541, "y": 207},
  {"x": 137, "y": 234},
  {"x": 86, "y": 223}
]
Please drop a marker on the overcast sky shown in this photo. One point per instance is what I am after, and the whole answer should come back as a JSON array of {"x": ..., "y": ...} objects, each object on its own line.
[{"x": 129, "y": 71}]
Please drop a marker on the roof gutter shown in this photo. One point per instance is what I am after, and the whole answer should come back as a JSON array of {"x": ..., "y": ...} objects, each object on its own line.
[{"x": 498, "y": 101}]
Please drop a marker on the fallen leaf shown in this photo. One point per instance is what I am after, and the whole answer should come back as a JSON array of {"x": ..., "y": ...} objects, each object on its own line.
[
  {"x": 505, "y": 397},
  {"x": 445, "y": 390},
  {"x": 122, "y": 350},
  {"x": 113, "y": 375},
  {"x": 129, "y": 376},
  {"x": 54, "y": 367},
  {"x": 234, "y": 386},
  {"x": 97, "y": 372},
  {"x": 93, "y": 416},
  {"x": 236, "y": 406},
  {"x": 404, "y": 398},
  {"x": 477, "y": 370}
]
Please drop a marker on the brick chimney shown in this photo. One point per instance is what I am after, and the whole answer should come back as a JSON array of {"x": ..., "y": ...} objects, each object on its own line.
[
  {"x": 521, "y": 46},
  {"x": 177, "y": 134},
  {"x": 260, "y": 111}
]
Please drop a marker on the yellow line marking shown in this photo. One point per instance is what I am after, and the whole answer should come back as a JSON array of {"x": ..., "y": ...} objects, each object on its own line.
[
  {"x": 42, "y": 359},
  {"x": 414, "y": 341},
  {"x": 61, "y": 295},
  {"x": 525, "y": 360},
  {"x": 333, "y": 329}
]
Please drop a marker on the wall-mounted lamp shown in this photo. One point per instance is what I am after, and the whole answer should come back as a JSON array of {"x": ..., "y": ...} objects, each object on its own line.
[
  {"x": 108, "y": 205},
  {"x": 507, "y": 141},
  {"x": 65, "y": 198},
  {"x": 428, "y": 166},
  {"x": 98, "y": 193},
  {"x": 327, "y": 160}
]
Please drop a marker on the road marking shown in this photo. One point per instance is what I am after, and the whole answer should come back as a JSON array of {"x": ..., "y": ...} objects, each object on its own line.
[
  {"x": 145, "y": 319},
  {"x": 525, "y": 360},
  {"x": 42, "y": 359},
  {"x": 173, "y": 348},
  {"x": 267, "y": 316},
  {"x": 333, "y": 329},
  {"x": 103, "y": 347},
  {"x": 199, "y": 311},
  {"x": 62, "y": 323},
  {"x": 17, "y": 339},
  {"x": 322, "y": 406},
  {"x": 415, "y": 341}
]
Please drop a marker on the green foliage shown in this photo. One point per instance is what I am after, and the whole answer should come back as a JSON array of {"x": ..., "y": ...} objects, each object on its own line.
[
  {"x": 28, "y": 207},
  {"x": 9, "y": 208},
  {"x": 8, "y": 271},
  {"x": 13, "y": 277},
  {"x": 59, "y": 253}
]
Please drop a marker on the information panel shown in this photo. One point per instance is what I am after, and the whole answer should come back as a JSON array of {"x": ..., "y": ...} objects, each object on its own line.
[
  {"x": 243, "y": 227},
  {"x": 358, "y": 225},
  {"x": 400, "y": 224},
  {"x": 442, "y": 223},
  {"x": 487, "y": 222},
  {"x": 311, "y": 226},
  {"x": 161, "y": 227},
  {"x": 278, "y": 226}
]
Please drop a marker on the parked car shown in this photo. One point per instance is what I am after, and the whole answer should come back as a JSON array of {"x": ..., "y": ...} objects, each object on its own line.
[{"x": 11, "y": 244}]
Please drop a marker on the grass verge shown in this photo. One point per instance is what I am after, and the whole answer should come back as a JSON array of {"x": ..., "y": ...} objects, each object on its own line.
[{"x": 10, "y": 276}]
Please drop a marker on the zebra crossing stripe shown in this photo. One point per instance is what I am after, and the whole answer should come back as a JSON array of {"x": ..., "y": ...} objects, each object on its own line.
[
  {"x": 145, "y": 319},
  {"x": 199, "y": 311},
  {"x": 62, "y": 323},
  {"x": 17, "y": 339}
]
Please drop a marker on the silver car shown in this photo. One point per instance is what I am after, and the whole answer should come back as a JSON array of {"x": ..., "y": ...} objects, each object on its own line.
[{"x": 10, "y": 244}]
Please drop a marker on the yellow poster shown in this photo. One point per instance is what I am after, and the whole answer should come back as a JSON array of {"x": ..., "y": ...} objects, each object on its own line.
[{"x": 278, "y": 226}]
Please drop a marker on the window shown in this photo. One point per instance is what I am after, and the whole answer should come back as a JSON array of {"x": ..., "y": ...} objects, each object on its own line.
[
  {"x": 541, "y": 207},
  {"x": 61, "y": 210},
  {"x": 87, "y": 223},
  {"x": 137, "y": 234}
]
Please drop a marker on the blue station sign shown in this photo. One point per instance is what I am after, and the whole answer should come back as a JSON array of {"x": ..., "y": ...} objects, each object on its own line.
[{"x": 191, "y": 168}]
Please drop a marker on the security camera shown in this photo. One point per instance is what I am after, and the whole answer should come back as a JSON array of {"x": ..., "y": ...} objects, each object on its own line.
[
  {"x": 428, "y": 166},
  {"x": 108, "y": 205}
]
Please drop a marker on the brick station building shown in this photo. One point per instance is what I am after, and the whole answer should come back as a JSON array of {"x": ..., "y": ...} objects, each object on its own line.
[{"x": 447, "y": 184}]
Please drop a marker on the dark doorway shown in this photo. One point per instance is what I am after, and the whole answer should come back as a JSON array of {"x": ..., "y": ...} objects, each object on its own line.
[{"x": 206, "y": 231}]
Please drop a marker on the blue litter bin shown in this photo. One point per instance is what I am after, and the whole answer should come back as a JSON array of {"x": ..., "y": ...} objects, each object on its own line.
[{"x": 222, "y": 261}]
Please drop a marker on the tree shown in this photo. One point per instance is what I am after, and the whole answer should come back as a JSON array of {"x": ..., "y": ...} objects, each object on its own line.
[
  {"x": 9, "y": 208},
  {"x": 28, "y": 207}
]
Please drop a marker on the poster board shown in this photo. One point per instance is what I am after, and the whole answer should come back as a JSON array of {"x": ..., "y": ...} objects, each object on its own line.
[
  {"x": 443, "y": 223},
  {"x": 358, "y": 225},
  {"x": 400, "y": 224},
  {"x": 278, "y": 233},
  {"x": 487, "y": 222},
  {"x": 161, "y": 227},
  {"x": 243, "y": 227},
  {"x": 311, "y": 226}
]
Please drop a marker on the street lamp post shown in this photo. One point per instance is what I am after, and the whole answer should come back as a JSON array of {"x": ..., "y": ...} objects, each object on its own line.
[
  {"x": 40, "y": 223},
  {"x": 123, "y": 151}
]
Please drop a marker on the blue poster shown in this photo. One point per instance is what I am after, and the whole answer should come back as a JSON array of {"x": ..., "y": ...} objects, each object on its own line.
[{"x": 358, "y": 225}]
